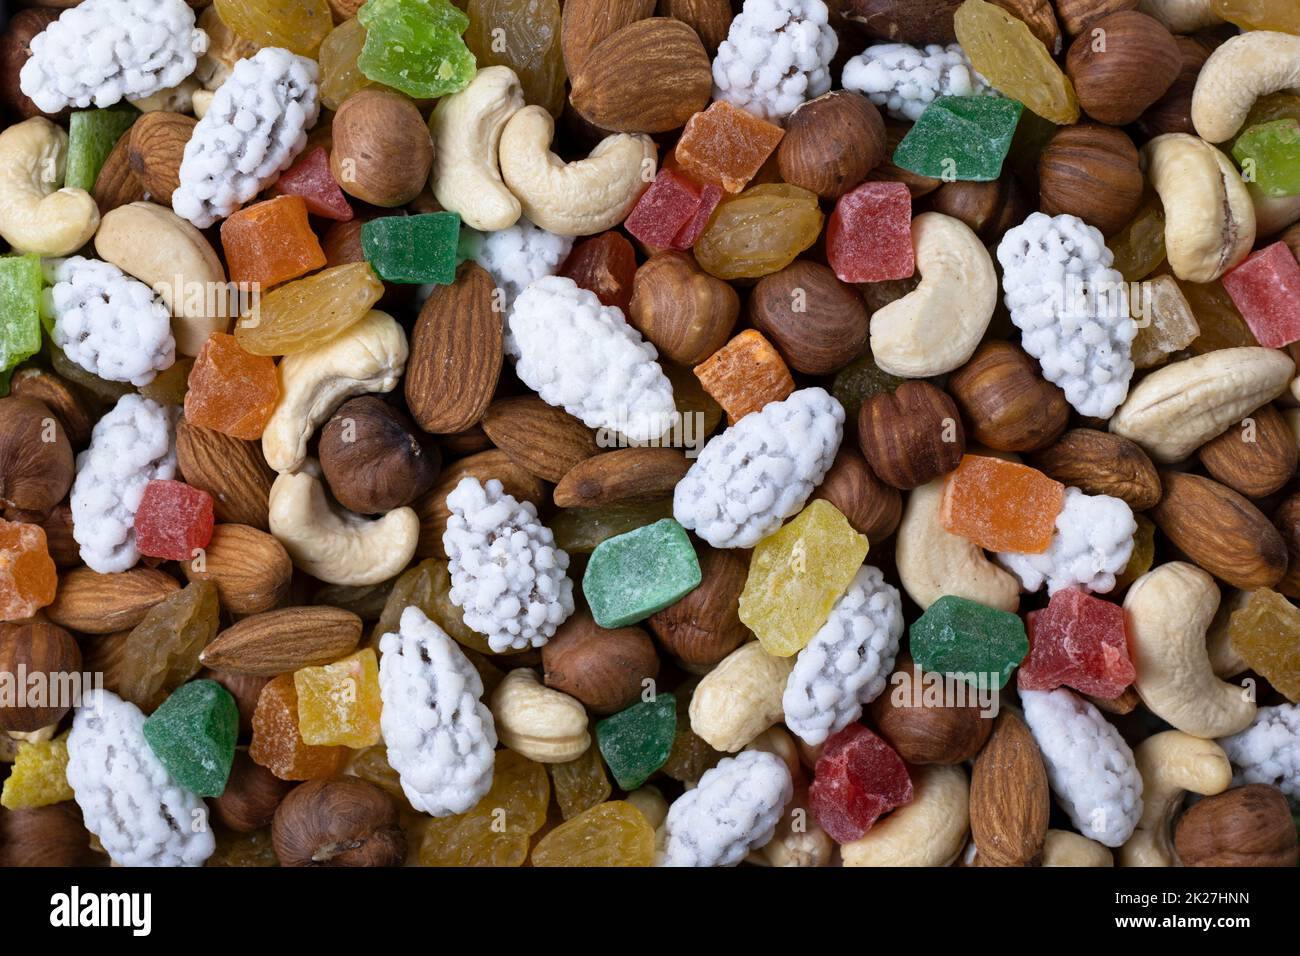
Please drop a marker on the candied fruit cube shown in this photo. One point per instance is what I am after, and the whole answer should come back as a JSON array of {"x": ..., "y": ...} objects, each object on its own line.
[
  {"x": 710, "y": 196},
  {"x": 277, "y": 743},
  {"x": 1078, "y": 640},
  {"x": 39, "y": 775},
  {"x": 670, "y": 208},
  {"x": 1269, "y": 156},
  {"x": 413, "y": 249},
  {"x": 857, "y": 779},
  {"x": 960, "y": 138},
  {"x": 310, "y": 178},
  {"x": 1266, "y": 633},
  {"x": 20, "y": 310},
  {"x": 230, "y": 390},
  {"x": 28, "y": 578},
  {"x": 633, "y": 575},
  {"x": 638, "y": 740},
  {"x": 193, "y": 733},
  {"x": 604, "y": 265},
  {"x": 415, "y": 46},
  {"x": 270, "y": 242},
  {"x": 92, "y": 134},
  {"x": 309, "y": 311},
  {"x": 1266, "y": 290},
  {"x": 338, "y": 704},
  {"x": 1002, "y": 505},
  {"x": 869, "y": 236},
  {"x": 174, "y": 520},
  {"x": 961, "y": 638},
  {"x": 796, "y": 574},
  {"x": 1167, "y": 325},
  {"x": 745, "y": 374},
  {"x": 726, "y": 145}
]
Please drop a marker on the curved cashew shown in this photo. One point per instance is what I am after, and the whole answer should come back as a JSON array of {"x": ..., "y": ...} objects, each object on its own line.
[
  {"x": 166, "y": 253},
  {"x": 466, "y": 128},
  {"x": 1067, "y": 848},
  {"x": 1224, "y": 659},
  {"x": 1244, "y": 68},
  {"x": 740, "y": 698},
  {"x": 929, "y": 831},
  {"x": 1171, "y": 763},
  {"x": 34, "y": 215},
  {"x": 577, "y": 199},
  {"x": 1181, "y": 16},
  {"x": 1168, "y": 611},
  {"x": 933, "y": 562},
  {"x": 799, "y": 839},
  {"x": 937, "y": 326},
  {"x": 1209, "y": 216},
  {"x": 1177, "y": 409},
  {"x": 537, "y": 721},
  {"x": 334, "y": 545},
  {"x": 368, "y": 357},
  {"x": 200, "y": 102}
]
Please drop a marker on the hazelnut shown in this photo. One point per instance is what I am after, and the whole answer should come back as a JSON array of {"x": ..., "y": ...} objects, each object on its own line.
[
  {"x": 704, "y": 627},
  {"x": 686, "y": 313},
  {"x": 1124, "y": 63},
  {"x": 990, "y": 209},
  {"x": 342, "y": 822},
  {"x": 927, "y": 734},
  {"x": 605, "y": 669},
  {"x": 831, "y": 143},
  {"x": 1075, "y": 15},
  {"x": 37, "y": 647},
  {"x": 16, "y": 50},
  {"x": 1256, "y": 458},
  {"x": 66, "y": 400},
  {"x": 871, "y": 506},
  {"x": 912, "y": 435},
  {"x": 45, "y": 836},
  {"x": 1091, "y": 171},
  {"x": 36, "y": 467},
  {"x": 372, "y": 457},
  {"x": 63, "y": 547},
  {"x": 1172, "y": 113},
  {"x": 1245, "y": 826},
  {"x": 382, "y": 151},
  {"x": 816, "y": 322},
  {"x": 1102, "y": 463},
  {"x": 251, "y": 796},
  {"x": 245, "y": 688},
  {"x": 1007, "y": 403}
]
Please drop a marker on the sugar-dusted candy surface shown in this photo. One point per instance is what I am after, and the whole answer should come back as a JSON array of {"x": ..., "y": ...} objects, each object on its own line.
[
  {"x": 173, "y": 521},
  {"x": 614, "y": 833},
  {"x": 960, "y": 637},
  {"x": 1002, "y": 505},
  {"x": 669, "y": 209},
  {"x": 869, "y": 236},
  {"x": 962, "y": 138},
  {"x": 1266, "y": 290},
  {"x": 296, "y": 25},
  {"x": 339, "y": 703},
  {"x": 858, "y": 777},
  {"x": 637, "y": 741},
  {"x": 631, "y": 576},
  {"x": 415, "y": 46},
  {"x": 604, "y": 265},
  {"x": 1165, "y": 321},
  {"x": 1266, "y": 633},
  {"x": 1078, "y": 640},
  {"x": 92, "y": 134},
  {"x": 710, "y": 196},
  {"x": 726, "y": 145},
  {"x": 580, "y": 784},
  {"x": 270, "y": 242},
  {"x": 759, "y": 231},
  {"x": 39, "y": 775},
  {"x": 796, "y": 574},
  {"x": 21, "y": 281},
  {"x": 413, "y": 249},
  {"x": 193, "y": 733},
  {"x": 1269, "y": 154},
  {"x": 310, "y": 178},
  {"x": 745, "y": 374},
  {"x": 497, "y": 831},
  {"x": 28, "y": 578},
  {"x": 277, "y": 743},
  {"x": 231, "y": 390},
  {"x": 307, "y": 312}
]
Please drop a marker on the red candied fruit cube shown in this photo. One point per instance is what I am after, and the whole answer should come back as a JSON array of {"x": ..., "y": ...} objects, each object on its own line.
[
  {"x": 604, "y": 265},
  {"x": 173, "y": 521},
  {"x": 869, "y": 236},
  {"x": 668, "y": 213},
  {"x": 311, "y": 179},
  {"x": 710, "y": 196},
  {"x": 1266, "y": 291},
  {"x": 858, "y": 778},
  {"x": 1078, "y": 640}
]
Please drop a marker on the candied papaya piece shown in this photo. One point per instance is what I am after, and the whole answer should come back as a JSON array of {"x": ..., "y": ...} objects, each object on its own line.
[
  {"x": 415, "y": 46},
  {"x": 270, "y": 242},
  {"x": 174, "y": 520},
  {"x": 745, "y": 374},
  {"x": 310, "y": 178},
  {"x": 309, "y": 311},
  {"x": 39, "y": 776},
  {"x": 338, "y": 703},
  {"x": 726, "y": 145},
  {"x": 231, "y": 390},
  {"x": 612, "y": 834},
  {"x": 277, "y": 743},
  {"x": 759, "y": 231},
  {"x": 1002, "y": 505},
  {"x": 1266, "y": 633},
  {"x": 28, "y": 577}
]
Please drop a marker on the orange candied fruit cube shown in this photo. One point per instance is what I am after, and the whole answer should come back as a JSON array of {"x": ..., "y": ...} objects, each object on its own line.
[
  {"x": 230, "y": 390},
  {"x": 28, "y": 578},
  {"x": 277, "y": 743},
  {"x": 1002, "y": 505},
  {"x": 271, "y": 242},
  {"x": 726, "y": 145},
  {"x": 745, "y": 374}
]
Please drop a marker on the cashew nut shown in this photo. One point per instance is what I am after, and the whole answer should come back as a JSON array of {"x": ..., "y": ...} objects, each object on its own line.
[
  {"x": 799, "y": 839},
  {"x": 577, "y": 199},
  {"x": 740, "y": 698},
  {"x": 225, "y": 49},
  {"x": 368, "y": 357},
  {"x": 538, "y": 722},
  {"x": 933, "y": 562},
  {"x": 334, "y": 545},
  {"x": 1067, "y": 848},
  {"x": 651, "y": 803},
  {"x": 166, "y": 253},
  {"x": 1224, "y": 659},
  {"x": 200, "y": 102},
  {"x": 929, "y": 831},
  {"x": 1244, "y": 68},
  {"x": 1209, "y": 216},
  {"x": 34, "y": 215},
  {"x": 1181, "y": 16},
  {"x": 1171, "y": 763},
  {"x": 1177, "y": 409},
  {"x": 466, "y": 128},
  {"x": 1168, "y": 611},
  {"x": 937, "y": 326}
]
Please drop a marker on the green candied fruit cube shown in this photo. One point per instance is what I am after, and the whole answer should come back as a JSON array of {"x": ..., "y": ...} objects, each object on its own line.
[
  {"x": 633, "y": 575},
  {"x": 964, "y": 138},
  {"x": 193, "y": 733},
  {"x": 413, "y": 249},
  {"x": 415, "y": 46},
  {"x": 91, "y": 137},
  {"x": 962, "y": 638},
  {"x": 1269, "y": 156},
  {"x": 636, "y": 741},
  {"x": 20, "y": 309}
]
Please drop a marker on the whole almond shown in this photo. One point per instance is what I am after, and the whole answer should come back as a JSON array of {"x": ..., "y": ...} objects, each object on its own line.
[
  {"x": 275, "y": 642},
  {"x": 871, "y": 506},
  {"x": 604, "y": 668},
  {"x": 155, "y": 150},
  {"x": 456, "y": 354},
  {"x": 623, "y": 476},
  {"x": 1256, "y": 458},
  {"x": 686, "y": 313},
  {"x": 1009, "y": 796},
  {"x": 704, "y": 627},
  {"x": 540, "y": 438},
  {"x": 649, "y": 77},
  {"x": 95, "y": 603},
  {"x": 231, "y": 470},
  {"x": 250, "y": 568},
  {"x": 585, "y": 23},
  {"x": 816, "y": 322},
  {"x": 1101, "y": 463},
  {"x": 711, "y": 19},
  {"x": 431, "y": 507},
  {"x": 117, "y": 183}
]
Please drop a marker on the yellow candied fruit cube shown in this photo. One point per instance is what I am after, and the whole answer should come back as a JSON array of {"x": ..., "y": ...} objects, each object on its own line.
[
  {"x": 339, "y": 704},
  {"x": 39, "y": 776}
]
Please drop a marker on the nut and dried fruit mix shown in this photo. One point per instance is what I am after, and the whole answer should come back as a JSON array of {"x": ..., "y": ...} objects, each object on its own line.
[{"x": 609, "y": 433}]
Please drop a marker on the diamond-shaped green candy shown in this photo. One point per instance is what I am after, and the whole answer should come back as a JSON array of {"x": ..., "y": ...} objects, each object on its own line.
[
  {"x": 20, "y": 310},
  {"x": 636, "y": 741},
  {"x": 415, "y": 46},
  {"x": 413, "y": 249},
  {"x": 92, "y": 134},
  {"x": 633, "y": 575},
  {"x": 962, "y": 138},
  {"x": 193, "y": 733},
  {"x": 1269, "y": 156},
  {"x": 962, "y": 638}
]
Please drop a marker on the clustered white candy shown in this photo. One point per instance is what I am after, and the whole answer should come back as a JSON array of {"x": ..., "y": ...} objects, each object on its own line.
[
  {"x": 1092, "y": 543},
  {"x": 1268, "y": 751},
  {"x": 777, "y": 55},
  {"x": 903, "y": 79},
  {"x": 517, "y": 256}
]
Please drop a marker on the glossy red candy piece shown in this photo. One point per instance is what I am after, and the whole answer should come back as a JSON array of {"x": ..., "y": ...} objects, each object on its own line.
[
  {"x": 710, "y": 196},
  {"x": 173, "y": 521},
  {"x": 1266, "y": 291},
  {"x": 668, "y": 213},
  {"x": 858, "y": 778},
  {"x": 604, "y": 265},
  {"x": 869, "y": 236},
  {"x": 1078, "y": 640},
  {"x": 311, "y": 179}
]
